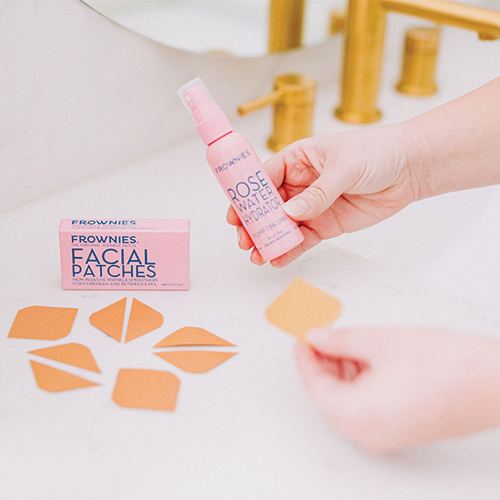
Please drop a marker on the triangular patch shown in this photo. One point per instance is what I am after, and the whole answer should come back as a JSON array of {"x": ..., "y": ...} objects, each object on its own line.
[
  {"x": 54, "y": 380},
  {"x": 72, "y": 354},
  {"x": 191, "y": 335},
  {"x": 110, "y": 319},
  {"x": 143, "y": 319},
  {"x": 195, "y": 361}
]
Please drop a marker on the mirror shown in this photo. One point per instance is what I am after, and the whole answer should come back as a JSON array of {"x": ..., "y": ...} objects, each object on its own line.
[{"x": 237, "y": 27}]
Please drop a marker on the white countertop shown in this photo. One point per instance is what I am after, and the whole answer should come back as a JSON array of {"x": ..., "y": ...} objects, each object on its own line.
[{"x": 247, "y": 429}]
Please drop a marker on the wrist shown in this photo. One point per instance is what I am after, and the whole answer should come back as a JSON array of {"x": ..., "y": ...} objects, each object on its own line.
[
  {"x": 413, "y": 142},
  {"x": 456, "y": 145}
]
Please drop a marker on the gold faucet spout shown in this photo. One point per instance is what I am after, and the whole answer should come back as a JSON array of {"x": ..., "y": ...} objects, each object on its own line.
[
  {"x": 364, "y": 43},
  {"x": 485, "y": 22}
]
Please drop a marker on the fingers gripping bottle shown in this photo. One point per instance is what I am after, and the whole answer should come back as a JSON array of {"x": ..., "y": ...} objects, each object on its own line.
[{"x": 241, "y": 175}]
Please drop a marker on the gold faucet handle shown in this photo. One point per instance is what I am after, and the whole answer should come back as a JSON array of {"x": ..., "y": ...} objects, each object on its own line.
[
  {"x": 289, "y": 89},
  {"x": 419, "y": 62},
  {"x": 293, "y": 101},
  {"x": 338, "y": 19},
  {"x": 261, "y": 102}
]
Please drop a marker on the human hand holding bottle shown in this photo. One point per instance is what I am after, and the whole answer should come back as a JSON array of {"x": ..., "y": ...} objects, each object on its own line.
[
  {"x": 338, "y": 183},
  {"x": 348, "y": 181}
]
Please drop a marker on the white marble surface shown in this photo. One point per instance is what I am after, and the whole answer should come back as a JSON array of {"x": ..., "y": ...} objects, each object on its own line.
[{"x": 245, "y": 430}]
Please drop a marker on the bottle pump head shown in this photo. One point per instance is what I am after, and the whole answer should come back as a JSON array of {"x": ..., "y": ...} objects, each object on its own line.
[{"x": 210, "y": 121}]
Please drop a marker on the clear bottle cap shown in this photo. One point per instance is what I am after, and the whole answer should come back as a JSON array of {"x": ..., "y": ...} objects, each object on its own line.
[
  {"x": 198, "y": 101},
  {"x": 210, "y": 121}
]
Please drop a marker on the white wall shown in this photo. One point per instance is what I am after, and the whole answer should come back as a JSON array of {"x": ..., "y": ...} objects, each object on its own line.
[{"x": 80, "y": 95}]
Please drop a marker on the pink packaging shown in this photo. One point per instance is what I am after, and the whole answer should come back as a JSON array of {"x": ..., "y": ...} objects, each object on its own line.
[
  {"x": 134, "y": 254},
  {"x": 241, "y": 175}
]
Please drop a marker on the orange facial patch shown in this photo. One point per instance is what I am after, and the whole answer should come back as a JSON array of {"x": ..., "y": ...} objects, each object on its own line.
[
  {"x": 146, "y": 389},
  {"x": 143, "y": 319},
  {"x": 43, "y": 323},
  {"x": 195, "y": 361},
  {"x": 72, "y": 354},
  {"x": 110, "y": 319},
  {"x": 191, "y": 335},
  {"x": 302, "y": 307},
  {"x": 54, "y": 380},
  {"x": 134, "y": 388}
]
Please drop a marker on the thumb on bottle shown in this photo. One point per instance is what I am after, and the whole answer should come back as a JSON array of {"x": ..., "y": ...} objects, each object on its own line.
[{"x": 311, "y": 202}]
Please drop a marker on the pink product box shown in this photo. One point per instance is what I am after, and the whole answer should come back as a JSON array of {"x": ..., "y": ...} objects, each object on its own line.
[{"x": 134, "y": 254}]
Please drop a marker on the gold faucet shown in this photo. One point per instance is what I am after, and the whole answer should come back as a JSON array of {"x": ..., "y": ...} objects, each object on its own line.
[
  {"x": 364, "y": 44},
  {"x": 293, "y": 100},
  {"x": 286, "y": 18},
  {"x": 419, "y": 61}
]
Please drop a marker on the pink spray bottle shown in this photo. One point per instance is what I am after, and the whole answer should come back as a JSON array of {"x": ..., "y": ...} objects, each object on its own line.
[{"x": 241, "y": 175}]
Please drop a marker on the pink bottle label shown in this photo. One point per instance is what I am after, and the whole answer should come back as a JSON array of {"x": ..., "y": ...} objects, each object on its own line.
[{"x": 253, "y": 195}]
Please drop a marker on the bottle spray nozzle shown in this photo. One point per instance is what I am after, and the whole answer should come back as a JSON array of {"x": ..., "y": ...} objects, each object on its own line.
[
  {"x": 198, "y": 100},
  {"x": 210, "y": 121}
]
